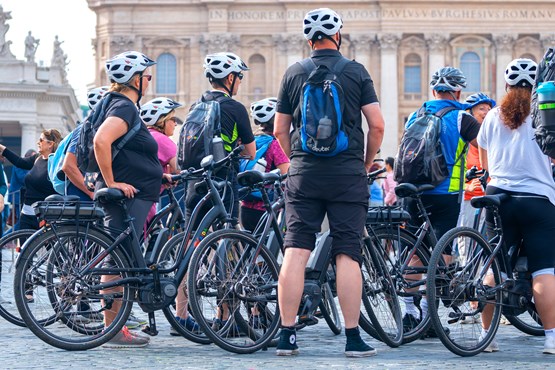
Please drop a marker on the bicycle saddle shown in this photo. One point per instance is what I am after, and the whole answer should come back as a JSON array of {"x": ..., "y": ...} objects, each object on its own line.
[
  {"x": 62, "y": 198},
  {"x": 488, "y": 200},
  {"x": 249, "y": 178},
  {"x": 406, "y": 190},
  {"x": 109, "y": 195}
]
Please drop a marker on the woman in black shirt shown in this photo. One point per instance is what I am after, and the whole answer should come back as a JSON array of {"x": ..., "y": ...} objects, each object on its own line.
[{"x": 37, "y": 184}]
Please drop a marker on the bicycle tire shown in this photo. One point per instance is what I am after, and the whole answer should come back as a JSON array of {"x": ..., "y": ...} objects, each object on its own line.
[
  {"x": 379, "y": 297},
  {"x": 216, "y": 288},
  {"x": 529, "y": 322},
  {"x": 167, "y": 257},
  {"x": 329, "y": 311},
  {"x": 10, "y": 244},
  {"x": 60, "y": 248},
  {"x": 395, "y": 244},
  {"x": 460, "y": 290}
]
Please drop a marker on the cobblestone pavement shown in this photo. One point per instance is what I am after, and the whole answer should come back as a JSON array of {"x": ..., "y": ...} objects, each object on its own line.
[{"x": 320, "y": 349}]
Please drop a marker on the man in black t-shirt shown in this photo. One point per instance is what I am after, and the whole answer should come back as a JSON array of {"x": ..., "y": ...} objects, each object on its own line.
[
  {"x": 225, "y": 72},
  {"x": 335, "y": 185}
]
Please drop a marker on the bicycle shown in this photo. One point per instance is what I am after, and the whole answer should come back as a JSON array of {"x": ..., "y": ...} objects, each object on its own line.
[
  {"x": 464, "y": 289},
  {"x": 70, "y": 263},
  {"x": 235, "y": 269}
]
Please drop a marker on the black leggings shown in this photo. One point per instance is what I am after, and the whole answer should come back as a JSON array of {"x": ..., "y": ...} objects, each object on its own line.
[{"x": 530, "y": 218}]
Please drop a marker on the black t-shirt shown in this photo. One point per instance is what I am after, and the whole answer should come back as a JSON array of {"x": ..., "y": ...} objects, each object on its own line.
[
  {"x": 358, "y": 90},
  {"x": 469, "y": 127},
  {"x": 234, "y": 120},
  {"x": 137, "y": 162},
  {"x": 37, "y": 183}
]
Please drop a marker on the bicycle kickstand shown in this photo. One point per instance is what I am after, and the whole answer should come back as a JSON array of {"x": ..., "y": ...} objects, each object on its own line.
[{"x": 150, "y": 329}]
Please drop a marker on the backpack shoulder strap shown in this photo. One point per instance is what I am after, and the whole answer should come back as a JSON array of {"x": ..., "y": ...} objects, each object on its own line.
[
  {"x": 442, "y": 112},
  {"x": 340, "y": 65},
  {"x": 308, "y": 65}
]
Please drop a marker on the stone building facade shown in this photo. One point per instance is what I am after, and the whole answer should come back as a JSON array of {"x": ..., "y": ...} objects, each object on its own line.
[{"x": 400, "y": 42}]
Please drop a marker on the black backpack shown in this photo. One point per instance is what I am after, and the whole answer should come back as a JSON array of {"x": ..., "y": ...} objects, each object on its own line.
[
  {"x": 200, "y": 131},
  {"x": 420, "y": 159},
  {"x": 86, "y": 160},
  {"x": 545, "y": 131}
]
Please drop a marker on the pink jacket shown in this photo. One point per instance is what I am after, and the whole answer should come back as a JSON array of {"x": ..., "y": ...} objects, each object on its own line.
[{"x": 389, "y": 188}]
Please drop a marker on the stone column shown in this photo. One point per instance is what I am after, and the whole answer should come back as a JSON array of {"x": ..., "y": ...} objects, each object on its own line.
[
  {"x": 437, "y": 43},
  {"x": 362, "y": 44},
  {"x": 28, "y": 136},
  {"x": 295, "y": 45},
  {"x": 389, "y": 96},
  {"x": 504, "y": 49}
]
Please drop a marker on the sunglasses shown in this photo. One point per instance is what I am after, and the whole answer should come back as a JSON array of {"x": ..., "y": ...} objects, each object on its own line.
[
  {"x": 41, "y": 139},
  {"x": 240, "y": 76},
  {"x": 148, "y": 77}
]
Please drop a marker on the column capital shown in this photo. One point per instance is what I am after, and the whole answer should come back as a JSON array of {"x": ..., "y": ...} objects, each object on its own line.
[
  {"x": 362, "y": 42},
  {"x": 291, "y": 42},
  {"x": 436, "y": 41},
  {"x": 547, "y": 40},
  {"x": 504, "y": 42},
  {"x": 215, "y": 43},
  {"x": 389, "y": 41},
  {"x": 120, "y": 44}
]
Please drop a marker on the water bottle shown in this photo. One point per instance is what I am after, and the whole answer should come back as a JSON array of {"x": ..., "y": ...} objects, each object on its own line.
[
  {"x": 218, "y": 150},
  {"x": 324, "y": 128},
  {"x": 260, "y": 165},
  {"x": 546, "y": 102}
]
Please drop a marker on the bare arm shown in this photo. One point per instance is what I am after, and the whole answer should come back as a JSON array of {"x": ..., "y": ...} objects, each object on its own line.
[
  {"x": 376, "y": 126},
  {"x": 74, "y": 175},
  {"x": 283, "y": 168},
  {"x": 282, "y": 126},
  {"x": 250, "y": 150},
  {"x": 172, "y": 165},
  {"x": 110, "y": 130},
  {"x": 483, "y": 154}
]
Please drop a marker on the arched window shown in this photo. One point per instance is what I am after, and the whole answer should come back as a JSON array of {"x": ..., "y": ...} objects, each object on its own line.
[
  {"x": 471, "y": 68},
  {"x": 166, "y": 74},
  {"x": 256, "y": 77},
  {"x": 528, "y": 56},
  {"x": 413, "y": 74}
]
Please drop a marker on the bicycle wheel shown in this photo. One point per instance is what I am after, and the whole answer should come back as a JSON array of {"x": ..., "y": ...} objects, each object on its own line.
[
  {"x": 233, "y": 291},
  {"x": 462, "y": 290},
  {"x": 529, "y": 322},
  {"x": 379, "y": 297},
  {"x": 10, "y": 247},
  {"x": 328, "y": 309},
  {"x": 49, "y": 283},
  {"x": 396, "y": 245},
  {"x": 167, "y": 259}
]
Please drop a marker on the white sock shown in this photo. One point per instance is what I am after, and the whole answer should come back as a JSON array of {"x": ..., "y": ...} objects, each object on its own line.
[
  {"x": 550, "y": 333},
  {"x": 424, "y": 306},
  {"x": 410, "y": 308},
  {"x": 484, "y": 332}
]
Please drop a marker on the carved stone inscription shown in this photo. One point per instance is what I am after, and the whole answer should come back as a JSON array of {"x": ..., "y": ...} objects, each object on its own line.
[{"x": 390, "y": 14}]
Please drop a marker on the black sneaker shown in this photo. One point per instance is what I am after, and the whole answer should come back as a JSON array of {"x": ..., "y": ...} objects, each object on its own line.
[
  {"x": 356, "y": 347},
  {"x": 287, "y": 345},
  {"x": 409, "y": 322},
  {"x": 431, "y": 333}
]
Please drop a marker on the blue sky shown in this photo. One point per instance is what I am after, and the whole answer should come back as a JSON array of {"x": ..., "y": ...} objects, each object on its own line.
[{"x": 71, "y": 20}]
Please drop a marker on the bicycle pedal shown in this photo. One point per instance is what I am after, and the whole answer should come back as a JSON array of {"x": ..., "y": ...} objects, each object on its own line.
[
  {"x": 308, "y": 320},
  {"x": 152, "y": 332}
]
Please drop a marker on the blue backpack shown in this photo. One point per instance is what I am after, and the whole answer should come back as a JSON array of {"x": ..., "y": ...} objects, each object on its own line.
[
  {"x": 322, "y": 132},
  {"x": 262, "y": 144},
  {"x": 55, "y": 161}
]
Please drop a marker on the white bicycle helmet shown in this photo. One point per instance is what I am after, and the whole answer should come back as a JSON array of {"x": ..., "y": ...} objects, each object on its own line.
[
  {"x": 263, "y": 110},
  {"x": 156, "y": 108},
  {"x": 521, "y": 72},
  {"x": 322, "y": 20},
  {"x": 220, "y": 65},
  {"x": 95, "y": 95},
  {"x": 448, "y": 79},
  {"x": 124, "y": 66}
]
